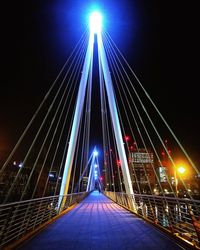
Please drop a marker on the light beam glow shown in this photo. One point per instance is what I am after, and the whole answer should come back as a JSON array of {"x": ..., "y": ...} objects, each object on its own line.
[
  {"x": 95, "y": 22},
  {"x": 95, "y": 153}
]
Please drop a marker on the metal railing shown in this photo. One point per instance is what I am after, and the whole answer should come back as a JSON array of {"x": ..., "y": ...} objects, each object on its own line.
[
  {"x": 178, "y": 216},
  {"x": 20, "y": 218}
]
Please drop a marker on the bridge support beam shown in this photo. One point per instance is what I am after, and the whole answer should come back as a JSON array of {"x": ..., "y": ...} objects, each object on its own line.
[
  {"x": 77, "y": 116},
  {"x": 76, "y": 124},
  {"x": 91, "y": 181},
  {"x": 115, "y": 120}
]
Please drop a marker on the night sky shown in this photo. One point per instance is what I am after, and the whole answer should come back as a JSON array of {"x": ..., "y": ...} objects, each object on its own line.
[{"x": 158, "y": 39}]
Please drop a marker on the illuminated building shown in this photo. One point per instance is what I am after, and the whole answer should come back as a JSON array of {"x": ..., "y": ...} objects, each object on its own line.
[{"x": 141, "y": 163}]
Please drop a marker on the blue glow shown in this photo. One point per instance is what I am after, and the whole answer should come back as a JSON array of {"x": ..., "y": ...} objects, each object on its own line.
[
  {"x": 95, "y": 22},
  {"x": 95, "y": 153}
]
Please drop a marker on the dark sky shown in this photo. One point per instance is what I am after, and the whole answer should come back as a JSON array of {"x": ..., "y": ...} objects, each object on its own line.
[{"x": 158, "y": 39}]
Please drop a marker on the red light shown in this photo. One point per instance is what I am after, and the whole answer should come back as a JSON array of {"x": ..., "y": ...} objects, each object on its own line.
[
  {"x": 118, "y": 163},
  {"x": 126, "y": 138}
]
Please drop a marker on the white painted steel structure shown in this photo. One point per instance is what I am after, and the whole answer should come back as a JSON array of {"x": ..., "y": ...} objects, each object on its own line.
[
  {"x": 76, "y": 122},
  {"x": 79, "y": 107}
]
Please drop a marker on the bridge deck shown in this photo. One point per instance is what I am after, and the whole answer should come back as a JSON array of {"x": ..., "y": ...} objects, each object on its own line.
[{"x": 97, "y": 223}]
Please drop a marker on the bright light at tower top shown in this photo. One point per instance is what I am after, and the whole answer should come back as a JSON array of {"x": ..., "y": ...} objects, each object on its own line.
[
  {"x": 95, "y": 153},
  {"x": 95, "y": 22}
]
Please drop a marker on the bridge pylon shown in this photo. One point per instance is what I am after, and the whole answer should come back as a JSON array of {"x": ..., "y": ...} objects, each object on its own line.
[{"x": 103, "y": 69}]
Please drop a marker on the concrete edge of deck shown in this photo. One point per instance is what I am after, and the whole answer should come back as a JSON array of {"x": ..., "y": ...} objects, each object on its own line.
[
  {"x": 180, "y": 240},
  {"x": 40, "y": 228}
]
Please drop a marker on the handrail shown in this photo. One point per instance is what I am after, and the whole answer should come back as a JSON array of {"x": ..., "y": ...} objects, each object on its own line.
[
  {"x": 19, "y": 218},
  {"x": 178, "y": 216}
]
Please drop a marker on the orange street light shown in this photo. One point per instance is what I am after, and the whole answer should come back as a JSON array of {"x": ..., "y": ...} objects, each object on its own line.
[{"x": 181, "y": 169}]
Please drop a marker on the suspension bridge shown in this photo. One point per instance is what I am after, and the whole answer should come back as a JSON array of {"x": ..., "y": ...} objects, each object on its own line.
[{"x": 137, "y": 190}]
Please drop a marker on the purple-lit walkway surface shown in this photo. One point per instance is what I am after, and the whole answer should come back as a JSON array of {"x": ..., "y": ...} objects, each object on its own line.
[{"x": 97, "y": 223}]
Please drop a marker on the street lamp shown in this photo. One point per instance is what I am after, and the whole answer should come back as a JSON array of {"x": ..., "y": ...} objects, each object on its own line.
[{"x": 181, "y": 170}]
